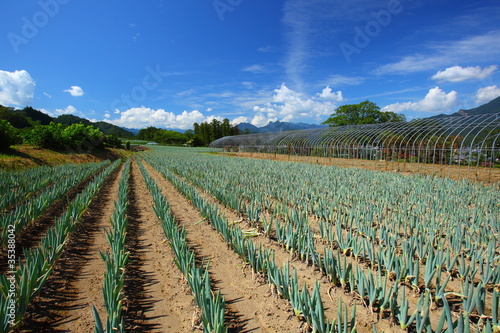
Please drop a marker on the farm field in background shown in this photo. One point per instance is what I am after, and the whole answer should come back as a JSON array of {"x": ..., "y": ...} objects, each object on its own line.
[{"x": 177, "y": 239}]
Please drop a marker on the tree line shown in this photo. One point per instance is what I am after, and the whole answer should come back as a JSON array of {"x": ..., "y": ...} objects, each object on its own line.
[{"x": 202, "y": 134}]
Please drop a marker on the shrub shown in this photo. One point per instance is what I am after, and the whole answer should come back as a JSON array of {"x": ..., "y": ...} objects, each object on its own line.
[{"x": 8, "y": 135}]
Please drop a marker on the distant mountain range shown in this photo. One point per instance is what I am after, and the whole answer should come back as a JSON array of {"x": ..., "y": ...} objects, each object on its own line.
[
  {"x": 25, "y": 118},
  {"x": 276, "y": 126}
]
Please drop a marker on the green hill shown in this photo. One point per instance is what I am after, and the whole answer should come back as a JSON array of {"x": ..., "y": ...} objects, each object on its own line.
[
  {"x": 29, "y": 117},
  {"x": 492, "y": 106}
]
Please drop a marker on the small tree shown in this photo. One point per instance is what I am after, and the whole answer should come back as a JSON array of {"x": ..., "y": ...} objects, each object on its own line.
[
  {"x": 8, "y": 135},
  {"x": 359, "y": 114}
]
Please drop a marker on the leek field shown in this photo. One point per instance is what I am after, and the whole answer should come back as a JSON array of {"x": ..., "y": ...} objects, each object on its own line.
[{"x": 182, "y": 240}]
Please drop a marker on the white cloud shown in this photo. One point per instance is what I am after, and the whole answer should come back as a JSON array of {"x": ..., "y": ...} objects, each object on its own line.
[
  {"x": 254, "y": 69},
  {"x": 75, "y": 91},
  {"x": 485, "y": 47},
  {"x": 261, "y": 120},
  {"x": 70, "y": 109},
  {"x": 436, "y": 101},
  {"x": 486, "y": 94},
  {"x": 107, "y": 115},
  {"x": 16, "y": 88},
  {"x": 327, "y": 94},
  {"x": 459, "y": 74},
  {"x": 47, "y": 94},
  {"x": 239, "y": 120},
  {"x": 287, "y": 104},
  {"x": 266, "y": 49},
  {"x": 142, "y": 117}
]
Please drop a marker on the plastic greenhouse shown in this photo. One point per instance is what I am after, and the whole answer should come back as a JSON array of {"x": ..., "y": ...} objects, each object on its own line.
[{"x": 444, "y": 142}]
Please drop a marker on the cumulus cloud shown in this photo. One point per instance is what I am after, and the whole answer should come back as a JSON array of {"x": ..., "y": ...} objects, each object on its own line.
[
  {"x": 75, "y": 91},
  {"x": 486, "y": 94},
  {"x": 459, "y": 74},
  {"x": 436, "y": 101},
  {"x": 287, "y": 104},
  {"x": 16, "y": 88},
  {"x": 327, "y": 94},
  {"x": 142, "y": 117},
  {"x": 239, "y": 120}
]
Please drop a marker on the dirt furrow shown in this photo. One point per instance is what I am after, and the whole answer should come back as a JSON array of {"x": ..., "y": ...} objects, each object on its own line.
[
  {"x": 251, "y": 307},
  {"x": 156, "y": 297},
  {"x": 331, "y": 296},
  {"x": 64, "y": 304}
]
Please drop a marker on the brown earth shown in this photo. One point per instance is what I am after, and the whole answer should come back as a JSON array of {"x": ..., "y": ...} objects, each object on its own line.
[
  {"x": 480, "y": 174},
  {"x": 250, "y": 305},
  {"x": 157, "y": 299},
  {"x": 307, "y": 274},
  {"x": 64, "y": 304}
]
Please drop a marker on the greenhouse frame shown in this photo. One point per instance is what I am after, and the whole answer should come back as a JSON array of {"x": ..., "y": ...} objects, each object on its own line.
[{"x": 443, "y": 142}]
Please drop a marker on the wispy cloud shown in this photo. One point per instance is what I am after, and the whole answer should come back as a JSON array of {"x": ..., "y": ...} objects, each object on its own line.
[
  {"x": 442, "y": 54},
  {"x": 255, "y": 69}
]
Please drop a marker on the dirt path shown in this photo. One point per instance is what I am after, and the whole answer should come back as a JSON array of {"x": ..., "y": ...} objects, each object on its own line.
[
  {"x": 157, "y": 299},
  {"x": 64, "y": 304},
  {"x": 250, "y": 305}
]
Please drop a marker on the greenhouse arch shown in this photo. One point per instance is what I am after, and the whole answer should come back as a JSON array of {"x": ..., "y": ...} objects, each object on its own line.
[{"x": 440, "y": 143}]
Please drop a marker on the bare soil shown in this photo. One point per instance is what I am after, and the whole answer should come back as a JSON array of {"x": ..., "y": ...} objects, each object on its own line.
[
  {"x": 64, "y": 304},
  {"x": 250, "y": 305}
]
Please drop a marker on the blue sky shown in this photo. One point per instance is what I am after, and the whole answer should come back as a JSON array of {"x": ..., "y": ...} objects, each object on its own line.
[{"x": 172, "y": 63}]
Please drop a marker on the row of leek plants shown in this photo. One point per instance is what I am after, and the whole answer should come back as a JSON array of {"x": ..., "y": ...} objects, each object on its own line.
[
  {"x": 296, "y": 236},
  {"x": 211, "y": 304},
  {"x": 33, "y": 272},
  {"x": 19, "y": 185},
  {"x": 35, "y": 206},
  {"x": 434, "y": 203},
  {"x": 351, "y": 217},
  {"x": 432, "y": 268},
  {"x": 115, "y": 261},
  {"x": 306, "y": 305}
]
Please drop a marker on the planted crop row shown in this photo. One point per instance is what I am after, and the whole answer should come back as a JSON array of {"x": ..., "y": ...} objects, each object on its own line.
[
  {"x": 212, "y": 304},
  {"x": 308, "y": 306},
  {"x": 115, "y": 261},
  {"x": 17, "y": 186},
  {"x": 30, "y": 275},
  {"x": 29, "y": 210},
  {"x": 347, "y": 235}
]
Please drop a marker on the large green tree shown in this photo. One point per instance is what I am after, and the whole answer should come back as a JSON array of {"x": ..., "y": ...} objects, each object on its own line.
[{"x": 363, "y": 113}]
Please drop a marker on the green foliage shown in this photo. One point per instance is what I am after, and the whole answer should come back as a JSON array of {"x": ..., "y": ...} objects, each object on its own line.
[
  {"x": 8, "y": 135},
  {"x": 127, "y": 145},
  {"x": 359, "y": 114},
  {"x": 162, "y": 136},
  {"x": 113, "y": 142},
  {"x": 205, "y": 132},
  {"x": 59, "y": 136}
]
